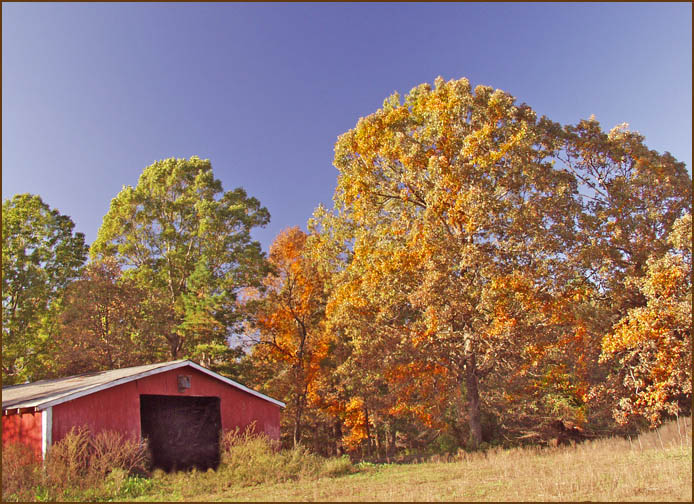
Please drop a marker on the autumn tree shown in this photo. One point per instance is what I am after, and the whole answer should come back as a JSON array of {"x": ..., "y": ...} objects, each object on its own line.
[
  {"x": 650, "y": 348},
  {"x": 187, "y": 243},
  {"x": 366, "y": 390},
  {"x": 631, "y": 197},
  {"x": 455, "y": 197},
  {"x": 41, "y": 254},
  {"x": 101, "y": 324},
  {"x": 287, "y": 325}
]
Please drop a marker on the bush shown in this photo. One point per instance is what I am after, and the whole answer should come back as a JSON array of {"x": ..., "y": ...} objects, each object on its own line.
[
  {"x": 81, "y": 460},
  {"x": 338, "y": 466},
  {"x": 250, "y": 459},
  {"x": 120, "y": 484},
  {"x": 110, "y": 450},
  {"x": 67, "y": 462}
]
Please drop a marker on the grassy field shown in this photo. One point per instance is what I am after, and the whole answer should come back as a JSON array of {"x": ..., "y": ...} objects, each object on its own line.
[{"x": 655, "y": 467}]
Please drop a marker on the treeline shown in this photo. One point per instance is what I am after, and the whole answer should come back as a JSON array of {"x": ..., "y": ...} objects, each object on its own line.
[{"x": 484, "y": 276}]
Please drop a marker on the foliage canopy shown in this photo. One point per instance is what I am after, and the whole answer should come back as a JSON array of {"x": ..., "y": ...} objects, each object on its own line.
[
  {"x": 40, "y": 256},
  {"x": 188, "y": 242}
]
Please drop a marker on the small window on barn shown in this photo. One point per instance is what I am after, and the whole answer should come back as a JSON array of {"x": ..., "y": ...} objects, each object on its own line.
[{"x": 183, "y": 383}]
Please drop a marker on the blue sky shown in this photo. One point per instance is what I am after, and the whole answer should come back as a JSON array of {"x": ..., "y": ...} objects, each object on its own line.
[{"x": 94, "y": 93}]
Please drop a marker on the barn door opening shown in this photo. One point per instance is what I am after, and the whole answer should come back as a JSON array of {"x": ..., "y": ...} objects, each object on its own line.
[{"x": 183, "y": 432}]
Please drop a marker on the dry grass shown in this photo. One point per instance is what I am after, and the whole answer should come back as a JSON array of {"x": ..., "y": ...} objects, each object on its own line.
[
  {"x": 657, "y": 466},
  {"x": 79, "y": 467},
  {"x": 19, "y": 463},
  {"x": 248, "y": 460}
]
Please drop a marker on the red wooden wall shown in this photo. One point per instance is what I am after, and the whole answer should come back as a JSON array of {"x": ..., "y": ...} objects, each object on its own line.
[
  {"x": 118, "y": 408},
  {"x": 25, "y": 428}
]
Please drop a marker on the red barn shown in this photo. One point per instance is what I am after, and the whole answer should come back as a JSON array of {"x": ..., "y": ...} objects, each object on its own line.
[{"x": 180, "y": 407}]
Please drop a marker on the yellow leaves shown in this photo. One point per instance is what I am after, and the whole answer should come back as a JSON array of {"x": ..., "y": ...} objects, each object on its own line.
[
  {"x": 666, "y": 281},
  {"x": 415, "y": 381},
  {"x": 473, "y": 142},
  {"x": 502, "y": 325},
  {"x": 640, "y": 326},
  {"x": 652, "y": 343},
  {"x": 462, "y": 231},
  {"x": 355, "y": 422}
]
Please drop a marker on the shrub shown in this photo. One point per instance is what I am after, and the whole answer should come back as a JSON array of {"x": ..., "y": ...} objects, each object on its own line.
[
  {"x": 120, "y": 484},
  {"x": 67, "y": 461},
  {"x": 251, "y": 459},
  {"x": 338, "y": 466},
  {"x": 110, "y": 450},
  {"x": 81, "y": 460}
]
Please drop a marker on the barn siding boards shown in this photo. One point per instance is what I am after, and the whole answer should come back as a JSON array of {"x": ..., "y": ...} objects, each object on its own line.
[
  {"x": 115, "y": 409},
  {"x": 24, "y": 428}
]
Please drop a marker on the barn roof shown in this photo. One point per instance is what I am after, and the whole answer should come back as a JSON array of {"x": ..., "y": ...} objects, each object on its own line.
[{"x": 46, "y": 393}]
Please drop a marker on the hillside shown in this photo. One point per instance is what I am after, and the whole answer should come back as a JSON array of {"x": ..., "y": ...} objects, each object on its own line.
[{"x": 655, "y": 467}]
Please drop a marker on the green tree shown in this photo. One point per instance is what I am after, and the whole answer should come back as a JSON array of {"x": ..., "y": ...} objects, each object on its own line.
[
  {"x": 184, "y": 240},
  {"x": 40, "y": 256}
]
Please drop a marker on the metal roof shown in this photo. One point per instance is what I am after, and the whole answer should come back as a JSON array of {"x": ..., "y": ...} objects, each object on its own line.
[{"x": 46, "y": 393}]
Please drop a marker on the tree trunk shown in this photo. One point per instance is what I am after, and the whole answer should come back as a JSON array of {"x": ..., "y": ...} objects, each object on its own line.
[
  {"x": 473, "y": 402},
  {"x": 379, "y": 441},
  {"x": 368, "y": 431},
  {"x": 393, "y": 440},
  {"x": 338, "y": 438},
  {"x": 174, "y": 345},
  {"x": 297, "y": 422}
]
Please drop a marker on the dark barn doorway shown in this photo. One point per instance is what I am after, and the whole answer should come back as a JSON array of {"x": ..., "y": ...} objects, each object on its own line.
[{"x": 183, "y": 432}]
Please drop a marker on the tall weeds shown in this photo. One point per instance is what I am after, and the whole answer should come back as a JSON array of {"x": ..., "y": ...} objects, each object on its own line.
[
  {"x": 249, "y": 459},
  {"x": 107, "y": 465},
  {"x": 19, "y": 467},
  {"x": 76, "y": 468},
  {"x": 254, "y": 458}
]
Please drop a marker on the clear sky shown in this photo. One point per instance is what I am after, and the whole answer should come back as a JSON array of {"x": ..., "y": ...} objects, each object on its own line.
[{"x": 94, "y": 93}]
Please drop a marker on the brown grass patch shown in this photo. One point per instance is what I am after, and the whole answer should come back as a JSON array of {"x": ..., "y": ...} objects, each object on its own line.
[
  {"x": 656, "y": 466},
  {"x": 78, "y": 467}
]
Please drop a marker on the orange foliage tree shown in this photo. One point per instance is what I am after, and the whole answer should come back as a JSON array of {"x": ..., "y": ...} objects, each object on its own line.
[
  {"x": 450, "y": 191},
  {"x": 651, "y": 346},
  {"x": 287, "y": 325},
  {"x": 476, "y": 264},
  {"x": 631, "y": 197},
  {"x": 472, "y": 242}
]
